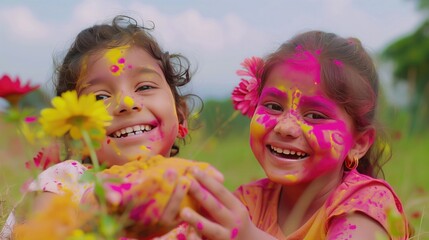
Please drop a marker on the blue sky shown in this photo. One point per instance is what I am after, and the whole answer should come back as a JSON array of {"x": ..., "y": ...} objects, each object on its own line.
[{"x": 215, "y": 35}]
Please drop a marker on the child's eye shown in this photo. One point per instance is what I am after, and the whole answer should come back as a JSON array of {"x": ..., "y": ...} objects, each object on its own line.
[
  {"x": 144, "y": 87},
  {"x": 274, "y": 106},
  {"x": 315, "y": 115},
  {"x": 101, "y": 97}
]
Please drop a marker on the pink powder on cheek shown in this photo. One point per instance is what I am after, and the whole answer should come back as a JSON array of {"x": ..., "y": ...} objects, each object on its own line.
[
  {"x": 330, "y": 134},
  {"x": 266, "y": 120},
  {"x": 337, "y": 138}
]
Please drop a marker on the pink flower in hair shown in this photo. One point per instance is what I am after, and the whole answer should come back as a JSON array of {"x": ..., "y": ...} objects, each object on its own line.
[{"x": 245, "y": 95}]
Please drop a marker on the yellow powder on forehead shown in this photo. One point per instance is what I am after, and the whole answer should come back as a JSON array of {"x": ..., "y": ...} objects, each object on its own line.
[{"x": 115, "y": 57}]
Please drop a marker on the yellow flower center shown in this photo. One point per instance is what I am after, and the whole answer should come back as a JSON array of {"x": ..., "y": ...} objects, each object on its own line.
[{"x": 78, "y": 120}]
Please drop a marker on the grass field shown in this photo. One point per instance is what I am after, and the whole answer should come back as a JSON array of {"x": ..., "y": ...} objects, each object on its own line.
[{"x": 407, "y": 171}]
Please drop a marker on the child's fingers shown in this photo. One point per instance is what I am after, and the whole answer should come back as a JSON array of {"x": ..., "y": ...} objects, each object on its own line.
[
  {"x": 194, "y": 236},
  {"x": 170, "y": 215},
  {"x": 216, "y": 174},
  {"x": 218, "y": 190},
  {"x": 208, "y": 229},
  {"x": 211, "y": 204}
]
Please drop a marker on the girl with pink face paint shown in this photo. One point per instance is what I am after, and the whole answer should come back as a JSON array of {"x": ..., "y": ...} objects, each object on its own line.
[
  {"x": 123, "y": 65},
  {"x": 313, "y": 131}
]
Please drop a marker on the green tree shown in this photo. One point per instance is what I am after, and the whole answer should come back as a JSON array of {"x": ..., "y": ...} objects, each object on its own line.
[{"x": 410, "y": 57}]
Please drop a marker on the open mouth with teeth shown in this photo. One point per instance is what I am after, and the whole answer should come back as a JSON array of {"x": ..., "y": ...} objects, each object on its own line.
[
  {"x": 131, "y": 131},
  {"x": 286, "y": 153}
]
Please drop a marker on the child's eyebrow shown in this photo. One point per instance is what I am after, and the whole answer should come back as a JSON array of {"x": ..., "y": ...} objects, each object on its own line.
[
  {"x": 83, "y": 86},
  {"x": 146, "y": 70},
  {"x": 273, "y": 92}
]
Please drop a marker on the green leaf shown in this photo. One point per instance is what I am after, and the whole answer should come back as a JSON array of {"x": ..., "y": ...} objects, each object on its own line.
[
  {"x": 99, "y": 190},
  {"x": 108, "y": 226}
]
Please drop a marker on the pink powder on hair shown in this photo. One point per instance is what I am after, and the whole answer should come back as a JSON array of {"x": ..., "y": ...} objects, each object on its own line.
[{"x": 338, "y": 63}]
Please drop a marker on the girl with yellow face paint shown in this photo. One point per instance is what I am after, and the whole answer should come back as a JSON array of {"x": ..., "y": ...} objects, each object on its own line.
[{"x": 125, "y": 68}]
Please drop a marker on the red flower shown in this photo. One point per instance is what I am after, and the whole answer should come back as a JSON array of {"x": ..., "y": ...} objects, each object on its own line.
[
  {"x": 245, "y": 95},
  {"x": 12, "y": 90}
]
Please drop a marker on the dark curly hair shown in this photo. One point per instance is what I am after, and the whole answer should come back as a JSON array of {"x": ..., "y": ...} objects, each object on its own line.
[
  {"x": 124, "y": 30},
  {"x": 354, "y": 86}
]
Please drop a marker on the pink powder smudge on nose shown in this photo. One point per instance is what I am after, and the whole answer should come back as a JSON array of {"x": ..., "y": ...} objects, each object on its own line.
[
  {"x": 200, "y": 226},
  {"x": 114, "y": 68},
  {"x": 352, "y": 227},
  {"x": 121, "y": 60},
  {"x": 234, "y": 233}
]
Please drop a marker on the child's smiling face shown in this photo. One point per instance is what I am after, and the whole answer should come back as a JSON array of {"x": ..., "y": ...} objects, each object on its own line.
[
  {"x": 137, "y": 95},
  {"x": 297, "y": 133}
]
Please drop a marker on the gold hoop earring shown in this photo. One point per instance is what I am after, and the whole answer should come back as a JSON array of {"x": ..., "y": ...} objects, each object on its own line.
[{"x": 352, "y": 163}]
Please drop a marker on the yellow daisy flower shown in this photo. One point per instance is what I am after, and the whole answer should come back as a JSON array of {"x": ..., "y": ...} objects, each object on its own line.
[{"x": 72, "y": 114}]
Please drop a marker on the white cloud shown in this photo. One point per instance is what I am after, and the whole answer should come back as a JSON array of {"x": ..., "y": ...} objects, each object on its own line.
[
  {"x": 21, "y": 25},
  {"x": 191, "y": 30}
]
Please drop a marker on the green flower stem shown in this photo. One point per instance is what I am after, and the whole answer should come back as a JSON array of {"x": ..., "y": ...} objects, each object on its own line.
[
  {"x": 108, "y": 226},
  {"x": 92, "y": 154},
  {"x": 96, "y": 165}
]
